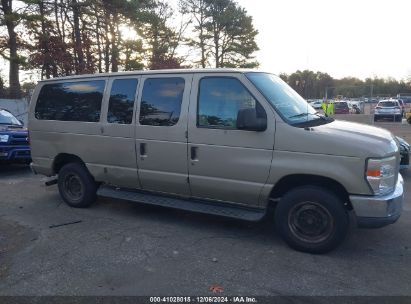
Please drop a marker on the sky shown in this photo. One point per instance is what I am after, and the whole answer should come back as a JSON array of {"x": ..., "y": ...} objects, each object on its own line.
[{"x": 359, "y": 38}]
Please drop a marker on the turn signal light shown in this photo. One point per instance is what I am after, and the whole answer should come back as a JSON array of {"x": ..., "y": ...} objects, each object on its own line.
[{"x": 373, "y": 173}]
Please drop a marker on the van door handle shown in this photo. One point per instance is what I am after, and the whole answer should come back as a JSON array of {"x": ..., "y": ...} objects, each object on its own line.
[
  {"x": 143, "y": 150},
  {"x": 194, "y": 154}
]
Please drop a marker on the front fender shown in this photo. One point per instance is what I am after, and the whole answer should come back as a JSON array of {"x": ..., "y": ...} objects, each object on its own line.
[{"x": 345, "y": 170}]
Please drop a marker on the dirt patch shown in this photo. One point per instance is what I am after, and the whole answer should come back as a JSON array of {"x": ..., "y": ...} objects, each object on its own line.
[{"x": 13, "y": 238}]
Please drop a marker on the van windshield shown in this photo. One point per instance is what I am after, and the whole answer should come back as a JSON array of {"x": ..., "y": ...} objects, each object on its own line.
[{"x": 289, "y": 104}]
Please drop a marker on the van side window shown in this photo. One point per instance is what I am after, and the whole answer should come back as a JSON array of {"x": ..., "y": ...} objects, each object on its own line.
[
  {"x": 70, "y": 101},
  {"x": 220, "y": 99},
  {"x": 121, "y": 103},
  {"x": 161, "y": 101}
]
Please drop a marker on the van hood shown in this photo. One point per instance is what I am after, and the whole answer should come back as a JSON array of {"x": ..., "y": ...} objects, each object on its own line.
[
  {"x": 340, "y": 138},
  {"x": 353, "y": 130}
]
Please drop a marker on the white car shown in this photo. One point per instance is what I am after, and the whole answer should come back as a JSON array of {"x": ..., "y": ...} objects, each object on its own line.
[{"x": 388, "y": 109}]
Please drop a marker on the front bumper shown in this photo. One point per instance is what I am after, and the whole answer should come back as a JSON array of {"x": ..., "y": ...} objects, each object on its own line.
[
  {"x": 17, "y": 153},
  {"x": 387, "y": 116},
  {"x": 379, "y": 211}
]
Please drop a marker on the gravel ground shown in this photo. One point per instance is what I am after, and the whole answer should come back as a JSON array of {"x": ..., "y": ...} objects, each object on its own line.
[{"x": 123, "y": 248}]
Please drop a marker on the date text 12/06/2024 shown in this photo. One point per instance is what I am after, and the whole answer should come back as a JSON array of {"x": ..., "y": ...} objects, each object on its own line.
[{"x": 205, "y": 299}]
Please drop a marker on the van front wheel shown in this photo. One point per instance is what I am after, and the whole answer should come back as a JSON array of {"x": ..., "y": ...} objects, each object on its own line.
[
  {"x": 311, "y": 219},
  {"x": 76, "y": 186}
]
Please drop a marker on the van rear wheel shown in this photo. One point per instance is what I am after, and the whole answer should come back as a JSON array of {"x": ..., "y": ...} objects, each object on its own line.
[
  {"x": 311, "y": 219},
  {"x": 76, "y": 186}
]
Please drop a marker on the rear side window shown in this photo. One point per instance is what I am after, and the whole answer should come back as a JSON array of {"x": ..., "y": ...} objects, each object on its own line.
[
  {"x": 71, "y": 101},
  {"x": 161, "y": 101},
  {"x": 220, "y": 99},
  {"x": 121, "y": 104}
]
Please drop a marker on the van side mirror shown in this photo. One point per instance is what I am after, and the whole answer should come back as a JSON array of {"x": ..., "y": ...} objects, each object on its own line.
[{"x": 247, "y": 120}]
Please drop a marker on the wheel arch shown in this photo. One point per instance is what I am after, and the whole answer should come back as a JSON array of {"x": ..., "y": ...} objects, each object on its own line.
[
  {"x": 63, "y": 159},
  {"x": 293, "y": 181}
]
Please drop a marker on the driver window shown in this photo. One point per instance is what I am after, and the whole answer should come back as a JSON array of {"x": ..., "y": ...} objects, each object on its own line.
[{"x": 220, "y": 99}]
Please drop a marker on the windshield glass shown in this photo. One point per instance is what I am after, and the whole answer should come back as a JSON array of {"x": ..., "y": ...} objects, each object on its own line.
[
  {"x": 7, "y": 118},
  {"x": 291, "y": 106}
]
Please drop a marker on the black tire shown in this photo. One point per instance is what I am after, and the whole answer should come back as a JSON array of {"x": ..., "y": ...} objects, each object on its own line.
[
  {"x": 375, "y": 119},
  {"x": 311, "y": 219},
  {"x": 398, "y": 119},
  {"x": 76, "y": 185},
  {"x": 409, "y": 120}
]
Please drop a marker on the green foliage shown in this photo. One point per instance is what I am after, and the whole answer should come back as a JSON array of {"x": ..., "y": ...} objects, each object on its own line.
[
  {"x": 311, "y": 84},
  {"x": 132, "y": 51},
  {"x": 63, "y": 37},
  {"x": 161, "y": 39},
  {"x": 225, "y": 34}
]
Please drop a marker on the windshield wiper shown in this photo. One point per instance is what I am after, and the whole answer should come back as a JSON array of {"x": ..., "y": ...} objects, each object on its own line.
[
  {"x": 306, "y": 114},
  {"x": 323, "y": 117},
  {"x": 300, "y": 115},
  {"x": 317, "y": 121}
]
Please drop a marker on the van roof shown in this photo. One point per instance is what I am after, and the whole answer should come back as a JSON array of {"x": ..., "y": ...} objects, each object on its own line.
[{"x": 151, "y": 72}]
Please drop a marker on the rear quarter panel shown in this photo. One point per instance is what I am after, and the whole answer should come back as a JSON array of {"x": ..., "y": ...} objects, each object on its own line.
[{"x": 86, "y": 140}]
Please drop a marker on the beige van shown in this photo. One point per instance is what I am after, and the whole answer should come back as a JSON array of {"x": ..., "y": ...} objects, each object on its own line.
[{"x": 221, "y": 141}]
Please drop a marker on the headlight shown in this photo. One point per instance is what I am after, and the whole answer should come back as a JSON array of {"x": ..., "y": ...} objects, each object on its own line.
[
  {"x": 381, "y": 174},
  {"x": 4, "y": 138},
  {"x": 397, "y": 111}
]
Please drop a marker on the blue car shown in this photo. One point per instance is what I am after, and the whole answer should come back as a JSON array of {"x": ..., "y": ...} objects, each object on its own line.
[{"x": 14, "y": 141}]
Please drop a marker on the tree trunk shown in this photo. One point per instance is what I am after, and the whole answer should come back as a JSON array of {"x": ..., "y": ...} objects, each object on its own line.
[
  {"x": 77, "y": 36},
  {"x": 107, "y": 41},
  {"x": 100, "y": 59},
  {"x": 202, "y": 47},
  {"x": 14, "y": 82},
  {"x": 44, "y": 42},
  {"x": 216, "y": 49},
  {"x": 114, "y": 46}
]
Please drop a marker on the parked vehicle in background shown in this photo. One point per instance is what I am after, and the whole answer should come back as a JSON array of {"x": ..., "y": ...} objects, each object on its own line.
[
  {"x": 341, "y": 107},
  {"x": 404, "y": 97},
  {"x": 404, "y": 152},
  {"x": 355, "y": 106},
  {"x": 388, "y": 109},
  {"x": 14, "y": 143},
  {"x": 402, "y": 105},
  {"x": 355, "y": 109},
  {"x": 227, "y": 142},
  {"x": 316, "y": 104}
]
